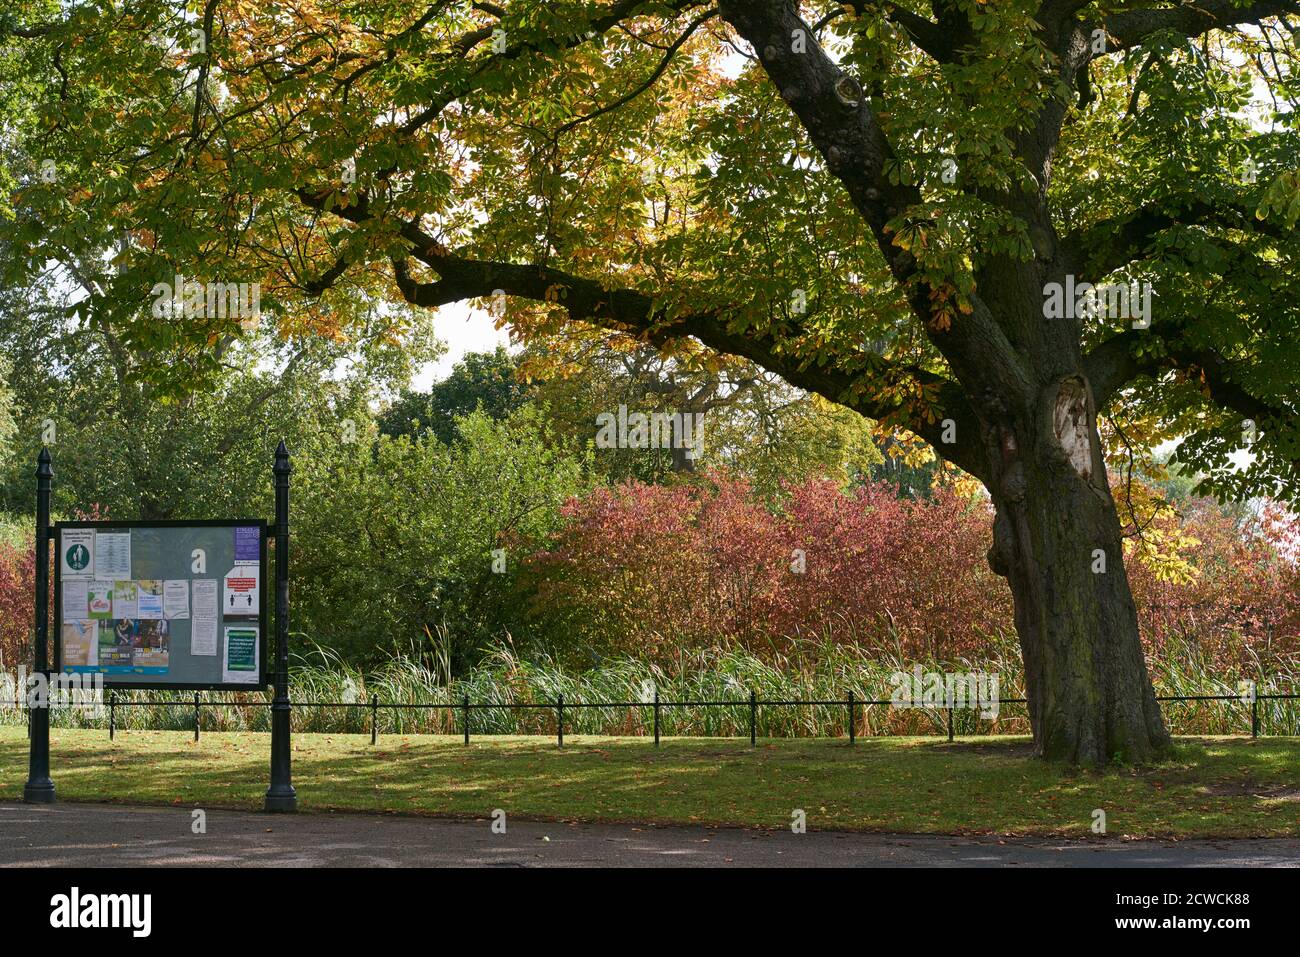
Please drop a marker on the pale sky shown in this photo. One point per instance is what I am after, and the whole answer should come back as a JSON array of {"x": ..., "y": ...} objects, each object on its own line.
[{"x": 463, "y": 330}]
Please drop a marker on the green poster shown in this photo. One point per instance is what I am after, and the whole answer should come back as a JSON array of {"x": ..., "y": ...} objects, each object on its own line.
[{"x": 241, "y": 655}]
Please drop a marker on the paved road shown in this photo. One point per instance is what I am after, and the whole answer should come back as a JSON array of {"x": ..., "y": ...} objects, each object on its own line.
[{"x": 82, "y": 835}]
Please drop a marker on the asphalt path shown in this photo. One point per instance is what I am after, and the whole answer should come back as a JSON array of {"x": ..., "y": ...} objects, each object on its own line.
[{"x": 103, "y": 835}]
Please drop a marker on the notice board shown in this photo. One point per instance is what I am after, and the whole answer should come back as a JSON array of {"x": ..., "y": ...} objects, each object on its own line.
[{"x": 163, "y": 604}]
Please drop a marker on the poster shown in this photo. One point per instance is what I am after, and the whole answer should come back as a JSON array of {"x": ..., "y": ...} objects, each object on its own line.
[
  {"x": 248, "y": 544},
  {"x": 100, "y": 600},
  {"x": 149, "y": 599},
  {"x": 125, "y": 599},
  {"x": 176, "y": 598},
  {"x": 112, "y": 556},
  {"x": 151, "y": 647},
  {"x": 203, "y": 636},
  {"x": 240, "y": 591},
  {"x": 77, "y": 554},
  {"x": 240, "y": 665},
  {"x": 76, "y": 600},
  {"x": 205, "y": 599},
  {"x": 80, "y": 644},
  {"x": 116, "y": 644}
]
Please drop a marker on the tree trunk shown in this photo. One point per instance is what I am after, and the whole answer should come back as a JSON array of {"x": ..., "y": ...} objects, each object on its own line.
[{"x": 1057, "y": 540}]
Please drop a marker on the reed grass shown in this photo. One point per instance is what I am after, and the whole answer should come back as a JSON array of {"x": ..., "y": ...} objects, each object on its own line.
[{"x": 333, "y": 697}]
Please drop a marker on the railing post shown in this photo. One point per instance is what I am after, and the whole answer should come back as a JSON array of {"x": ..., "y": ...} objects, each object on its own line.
[
  {"x": 560, "y": 708},
  {"x": 1254, "y": 714},
  {"x": 852, "y": 730},
  {"x": 753, "y": 718},
  {"x": 39, "y": 789},
  {"x": 656, "y": 717},
  {"x": 950, "y": 722},
  {"x": 281, "y": 796},
  {"x": 467, "y": 719},
  {"x": 196, "y": 717},
  {"x": 374, "y": 719},
  {"x": 112, "y": 714}
]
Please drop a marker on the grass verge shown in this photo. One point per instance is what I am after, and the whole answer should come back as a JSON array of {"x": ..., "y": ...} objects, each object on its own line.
[{"x": 1223, "y": 787}]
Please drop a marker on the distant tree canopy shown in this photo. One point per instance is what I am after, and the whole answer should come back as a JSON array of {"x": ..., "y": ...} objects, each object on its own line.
[{"x": 482, "y": 380}]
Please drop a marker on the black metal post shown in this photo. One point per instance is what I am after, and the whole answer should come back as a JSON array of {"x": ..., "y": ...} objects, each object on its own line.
[
  {"x": 656, "y": 717},
  {"x": 560, "y": 708},
  {"x": 852, "y": 730},
  {"x": 1254, "y": 714},
  {"x": 374, "y": 718},
  {"x": 112, "y": 714},
  {"x": 950, "y": 724},
  {"x": 467, "y": 719},
  {"x": 753, "y": 719},
  {"x": 281, "y": 796},
  {"x": 196, "y": 716},
  {"x": 39, "y": 788}
]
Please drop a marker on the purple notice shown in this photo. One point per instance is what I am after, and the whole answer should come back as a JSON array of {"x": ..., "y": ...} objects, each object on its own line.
[{"x": 248, "y": 544}]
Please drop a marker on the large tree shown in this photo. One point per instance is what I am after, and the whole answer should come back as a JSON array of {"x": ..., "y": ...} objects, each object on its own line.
[{"x": 880, "y": 202}]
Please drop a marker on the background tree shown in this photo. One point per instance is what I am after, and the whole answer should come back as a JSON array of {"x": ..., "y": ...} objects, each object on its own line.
[{"x": 481, "y": 380}]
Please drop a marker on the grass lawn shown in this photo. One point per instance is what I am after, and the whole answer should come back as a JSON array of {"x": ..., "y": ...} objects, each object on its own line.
[{"x": 1211, "y": 787}]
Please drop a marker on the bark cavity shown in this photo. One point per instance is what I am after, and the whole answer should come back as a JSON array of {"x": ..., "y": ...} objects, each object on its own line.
[{"x": 1072, "y": 427}]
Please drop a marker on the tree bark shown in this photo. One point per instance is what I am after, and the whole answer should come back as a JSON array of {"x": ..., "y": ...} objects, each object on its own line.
[{"x": 1057, "y": 540}]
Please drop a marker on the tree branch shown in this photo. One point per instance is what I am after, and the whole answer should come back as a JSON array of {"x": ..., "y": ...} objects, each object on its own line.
[
  {"x": 1130, "y": 27},
  {"x": 842, "y": 125},
  {"x": 1114, "y": 363},
  {"x": 603, "y": 19},
  {"x": 1108, "y": 244}
]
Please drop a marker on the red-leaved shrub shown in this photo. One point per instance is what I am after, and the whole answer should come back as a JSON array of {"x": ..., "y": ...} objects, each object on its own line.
[
  {"x": 17, "y": 593},
  {"x": 1241, "y": 604},
  {"x": 648, "y": 571},
  {"x": 641, "y": 569}
]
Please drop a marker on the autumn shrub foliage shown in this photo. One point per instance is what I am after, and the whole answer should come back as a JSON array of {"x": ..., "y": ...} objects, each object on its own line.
[
  {"x": 17, "y": 600},
  {"x": 1227, "y": 593},
  {"x": 18, "y": 590},
  {"x": 656, "y": 571}
]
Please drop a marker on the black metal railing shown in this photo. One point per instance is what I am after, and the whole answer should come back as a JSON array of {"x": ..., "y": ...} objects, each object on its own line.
[{"x": 852, "y": 703}]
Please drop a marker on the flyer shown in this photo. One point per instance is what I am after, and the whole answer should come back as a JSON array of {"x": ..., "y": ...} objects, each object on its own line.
[
  {"x": 240, "y": 591},
  {"x": 176, "y": 598},
  {"x": 112, "y": 555},
  {"x": 206, "y": 604},
  {"x": 116, "y": 644},
  {"x": 76, "y": 600},
  {"x": 77, "y": 553},
  {"x": 240, "y": 665},
  {"x": 150, "y": 599},
  {"x": 248, "y": 544},
  {"x": 151, "y": 647},
  {"x": 203, "y": 635},
  {"x": 80, "y": 644},
  {"x": 100, "y": 600},
  {"x": 125, "y": 599}
]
